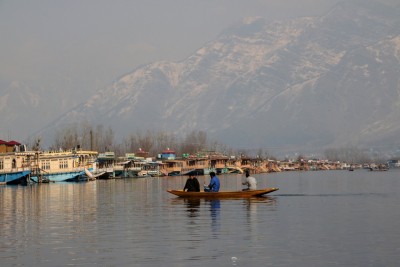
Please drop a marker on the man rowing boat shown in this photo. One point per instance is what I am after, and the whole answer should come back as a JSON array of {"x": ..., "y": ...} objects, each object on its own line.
[{"x": 250, "y": 181}]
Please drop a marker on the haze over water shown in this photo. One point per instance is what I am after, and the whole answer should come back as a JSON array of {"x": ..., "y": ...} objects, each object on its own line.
[{"x": 321, "y": 218}]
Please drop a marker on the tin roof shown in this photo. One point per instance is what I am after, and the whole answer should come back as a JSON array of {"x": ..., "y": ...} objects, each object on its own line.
[
  {"x": 168, "y": 151},
  {"x": 9, "y": 143},
  {"x": 13, "y": 143}
]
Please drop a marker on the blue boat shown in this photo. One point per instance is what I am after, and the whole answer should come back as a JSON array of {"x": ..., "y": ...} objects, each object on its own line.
[
  {"x": 57, "y": 177},
  {"x": 62, "y": 166},
  {"x": 14, "y": 177},
  {"x": 14, "y": 165}
]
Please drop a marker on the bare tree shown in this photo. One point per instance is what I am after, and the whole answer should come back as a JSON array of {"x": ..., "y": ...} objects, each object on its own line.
[
  {"x": 145, "y": 140},
  {"x": 66, "y": 138},
  {"x": 100, "y": 139},
  {"x": 260, "y": 153},
  {"x": 86, "y": 136},
  {"x": 33, "y": 143},
  {"x": 202, "y": 139},
  {"x": 164, "y": 140},
  {"x": 36, "y": 144},
  {"x": 350, "y": 154},
  {"x": 108, "y": 138},
  {"x": 190, "y": 145}
]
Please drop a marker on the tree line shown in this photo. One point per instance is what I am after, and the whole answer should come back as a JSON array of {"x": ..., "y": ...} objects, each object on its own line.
[
  {"x": 352, "y": 154},
  {"x": 102, "y": 139}
]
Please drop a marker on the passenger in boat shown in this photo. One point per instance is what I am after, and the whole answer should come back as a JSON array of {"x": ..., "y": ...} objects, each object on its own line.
[
  {"x": 250, "y": 181},
  {"x": 214, "y": 183},
  {"x": 192, "y": 184}
]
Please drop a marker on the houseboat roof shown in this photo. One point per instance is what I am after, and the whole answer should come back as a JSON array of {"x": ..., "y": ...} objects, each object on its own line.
[
  {"x": 219, "y": 156},
  {"x": 9, "y": 143},
  {"x": 168, "y": 151},
  {"x": 14, "y": 143}
]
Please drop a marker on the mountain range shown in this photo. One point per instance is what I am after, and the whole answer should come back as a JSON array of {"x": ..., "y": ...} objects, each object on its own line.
[{"x": 332, "y": 80}]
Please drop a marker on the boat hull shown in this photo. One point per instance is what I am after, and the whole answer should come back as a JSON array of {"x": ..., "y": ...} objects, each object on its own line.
[
  {"x": 226, "y": 194},
  {"x": 59, "y": 177},
  {"x": 13, "y": 177}
]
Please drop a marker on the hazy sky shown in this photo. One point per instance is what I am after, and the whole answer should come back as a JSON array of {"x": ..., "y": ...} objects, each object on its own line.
[{"x": 89, "y": 43}]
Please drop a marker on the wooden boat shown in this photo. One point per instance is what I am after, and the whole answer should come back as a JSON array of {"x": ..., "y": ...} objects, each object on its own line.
[{"x": 226, "y": 194}]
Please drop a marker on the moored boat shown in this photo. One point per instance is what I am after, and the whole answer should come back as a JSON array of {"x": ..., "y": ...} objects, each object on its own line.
[
  {"x": 14, "y": 177},
  {"x": 14, "y": 168},
  {"x": 224, "y": 194},
  {"x": 380, "y": 167},
  {"x": 60, "y": 166}
]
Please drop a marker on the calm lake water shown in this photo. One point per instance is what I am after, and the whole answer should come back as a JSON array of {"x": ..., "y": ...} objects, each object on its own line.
[{"x": 321, "y": 218}]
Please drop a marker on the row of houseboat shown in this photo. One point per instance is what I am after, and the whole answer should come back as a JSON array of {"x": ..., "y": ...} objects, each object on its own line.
[{"x": 17, "y": 165}]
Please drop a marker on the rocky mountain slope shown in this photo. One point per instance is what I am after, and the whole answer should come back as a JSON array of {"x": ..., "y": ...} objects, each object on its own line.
[{"x": 316, "y": 81}]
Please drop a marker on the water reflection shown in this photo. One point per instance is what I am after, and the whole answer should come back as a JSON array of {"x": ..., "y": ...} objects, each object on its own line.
[
  {"x": 193, "y": 207},
  {"x": 251, "y": 209},
  {"x": 350, "y": 219},
  {"x": 215, "y": 211},
  {"x": 252, "y": 205}
]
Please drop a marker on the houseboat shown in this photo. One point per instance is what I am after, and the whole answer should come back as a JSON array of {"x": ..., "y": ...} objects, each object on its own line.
[
  {"x": 198, "y": 164},
  {"x": 130, "y": 166},
  {"x": 60, "y": 166},
  {"x": 13, "y": 164},
  {"x": 13, "y": 168},
  {"x": 137, "y": 165},
  {"x": 105, "y": 165}
]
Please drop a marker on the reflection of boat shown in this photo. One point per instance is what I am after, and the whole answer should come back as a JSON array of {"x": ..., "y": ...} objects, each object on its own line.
[
  {"x": 174, "y": 173},
  {"x": 226, "y": 194},
  {"x": 378, "y": 169}
]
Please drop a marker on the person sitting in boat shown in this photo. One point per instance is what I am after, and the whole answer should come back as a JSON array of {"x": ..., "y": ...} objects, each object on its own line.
[
  {"x": 192, "y": 184},
  {"x": 250, "y": 181},
  {"x": 214, "y": 183}
]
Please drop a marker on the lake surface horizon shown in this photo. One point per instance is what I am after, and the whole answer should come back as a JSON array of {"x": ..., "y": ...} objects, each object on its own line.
[{"x": 317, "y": 218}]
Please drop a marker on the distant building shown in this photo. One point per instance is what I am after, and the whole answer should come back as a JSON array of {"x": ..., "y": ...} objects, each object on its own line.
[
  {"x": 168, "y": 154},
  {"x": 141, "y": 153},
  {"x": 9, "y": 146},
  {"x": 393, "y": 163}
]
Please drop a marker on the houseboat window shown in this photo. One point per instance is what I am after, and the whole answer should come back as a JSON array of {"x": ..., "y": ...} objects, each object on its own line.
[
  {"x": 14, "y": 164},
  {"x": 46, "y": 165},
  {"x": 1, "y": 165},
  {"x": 63, "y": 164}
]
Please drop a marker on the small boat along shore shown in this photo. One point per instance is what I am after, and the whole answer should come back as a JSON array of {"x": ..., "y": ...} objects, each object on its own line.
[{"x": 223, "y": 194}]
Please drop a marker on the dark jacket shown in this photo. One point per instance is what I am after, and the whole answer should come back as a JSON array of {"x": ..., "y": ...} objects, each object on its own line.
[{"x": 192, "y": 185}]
